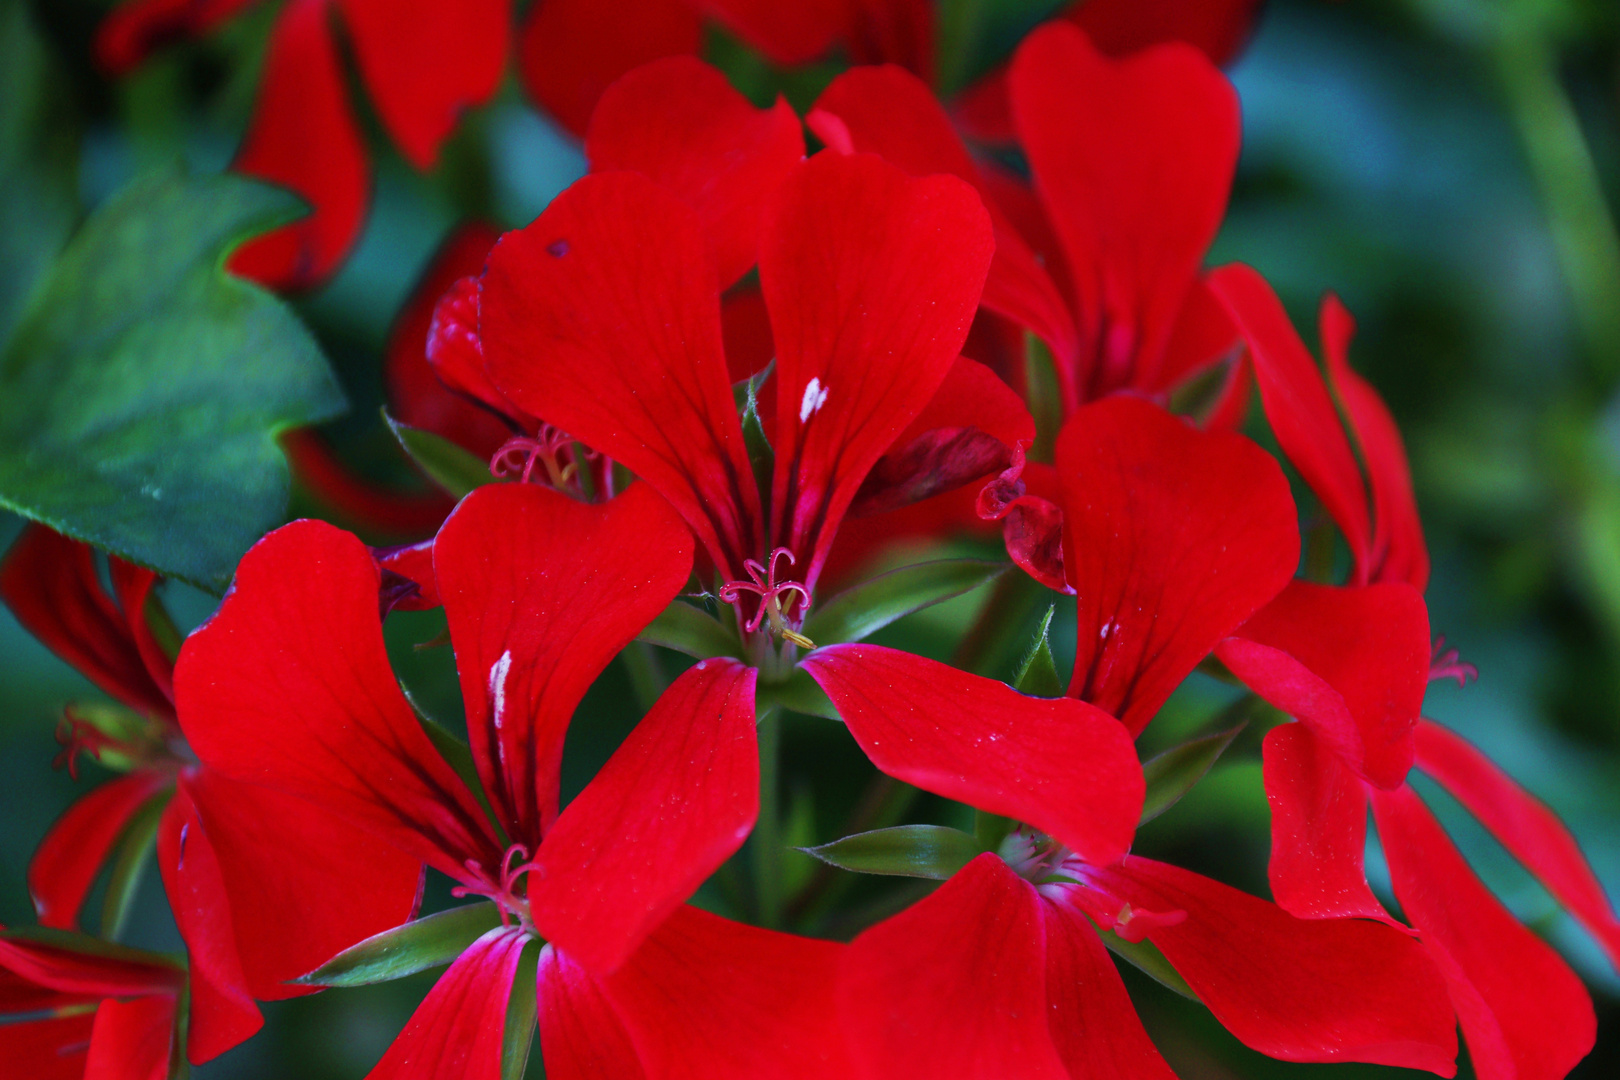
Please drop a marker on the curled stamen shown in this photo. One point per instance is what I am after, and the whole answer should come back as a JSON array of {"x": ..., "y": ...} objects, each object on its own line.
[
  {"x": 770, "y": 593},
  {"x": 76, "y": 737},
  {"x": 1447, "y": 663},
  {"x": 519, "y": 455},
  {"x": 504, "y": 892}
]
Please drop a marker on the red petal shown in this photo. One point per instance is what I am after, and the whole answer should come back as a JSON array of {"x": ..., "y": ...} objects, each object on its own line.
[
  {"x": 416, "y": 589},
  {"x": 1058, "y": 764},
  {"x": 541, "y": 592},
  {"x": 223, "y": 1014},
  {"x": 871, "y": 279},
  {"x": 132, "y": 1040},
  {"x": 303, "y": 136},
  {"x": 289, "y": 686},
  {"x": 133, "y": 586},
  {"x": 1297, "y": 404},
  {"x": 679, "y": 122},
  {"x": 571, "y": 51},
  {"x": 1523, "y": 824},
  {"x": 602, "y": 318},
  {"x": 52, "y": 587},
  {"x": 73, "y": 851},
  {"x": 1352, "y": 663},
  {"x": 1204, "y": 336},
  {"x": 51, "y": 1049},
  {"x": 455, "y": 351},
  {"x": 133, "y": 30},
  {"x": 460, "y": 1027},
  {"x": 672, "y": 804},
  {"x": 966, "y": 432},
  {"x": 1094, "y": 1026},
  {"x": 1296, "y": 989},
  {"x": 1133, "y": 160},
  {"x": 891, "y": 112},
  {"x": 70, "y": 972},
  {"x": 581, "y": 1036},
  {"x": 1318, "y": 829},
  {"x": 425, "y": 61},
  {"x": 954, "y": 986},
  {"x": 705, "y": 998},
  {"x": 1525, "y": 1014},
  {"x": 1219, "y": 28},
  {"x": 1173, "y": 537},
  {"x": 1398, "y": 549},
  {"x": 301, "y": 886},
  {"x": 786, "y": 33},
  {"x": 746, "y": 329},
  {"x": 416, "y": 396}
]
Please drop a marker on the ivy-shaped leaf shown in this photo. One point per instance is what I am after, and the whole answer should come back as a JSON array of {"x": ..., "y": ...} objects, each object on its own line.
[{"x": 141, "y": 395}]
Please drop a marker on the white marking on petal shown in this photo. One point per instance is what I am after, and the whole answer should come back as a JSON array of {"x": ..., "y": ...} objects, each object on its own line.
[
  {"x": 497, "y": 685},
  {"x": 815, "y": 396}
]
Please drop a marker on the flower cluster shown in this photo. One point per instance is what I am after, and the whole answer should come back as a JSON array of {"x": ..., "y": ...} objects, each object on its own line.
[{"x": 713, "y": 381}]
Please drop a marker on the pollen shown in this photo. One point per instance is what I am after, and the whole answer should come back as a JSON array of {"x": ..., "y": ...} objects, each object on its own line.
[{"x": 815, "y": 396}]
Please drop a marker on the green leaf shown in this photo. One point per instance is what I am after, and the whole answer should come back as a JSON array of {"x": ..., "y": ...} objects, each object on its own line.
[
  {"x": 134, "y": 852},
  {"x": 417, "y": 946},
  {"x": 446, "y": 464},
  {"x": 1146, "y": 958},
  {"x": 798, "y": 693},
  {"x": 141, "y": 395},
  {"x": 920, "y": 851},
  {"x": 520, "y": 1015},
  {"x": 1038, "y": 674},
  {"x": 1172, "y": 774},
  {"x": 862, "y": 610},
  {"x": 692, "y": 631}
]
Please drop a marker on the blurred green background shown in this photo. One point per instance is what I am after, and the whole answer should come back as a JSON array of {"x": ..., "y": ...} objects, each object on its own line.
[{"x": 1449, "y": 167}]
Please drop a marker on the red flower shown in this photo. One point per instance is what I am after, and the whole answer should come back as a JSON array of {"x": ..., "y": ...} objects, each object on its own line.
[
  {"x": 73, "y": 1007},
  {"x": 1351, "y": 664},
  {"x": 289, "y": 687},
  {"x": 224, "y": 848},
  {"x": 1175, "y": 536},
  {"x": 423, "y": 62}
]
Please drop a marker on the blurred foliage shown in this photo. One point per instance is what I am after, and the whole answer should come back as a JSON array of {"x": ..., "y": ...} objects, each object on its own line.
[{"x": 1450, "y": 167}]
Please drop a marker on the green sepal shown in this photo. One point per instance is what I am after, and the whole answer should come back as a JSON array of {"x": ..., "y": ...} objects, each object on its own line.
[
  {"x": 520, "y": 1015},
  {"x": 690, "y": 630},
  {"x": 179, "y": 1036},
  {"x": 143, "y": 390},
  {"x": 134, "y": 849},
  {"x": 416, "y": 946},
  {"x": 454, "y": 469},
  {"x": 1172, "y": 774},
  {"x": 1146, "y": 958},
  {"x": 457, "y": 754},
  {"x": 991, "y": 829},
  {"x": 798, "y": 693},
  {"x": 1038, "y": 675},
  {"x": 920, "y": 851},
  {"x": 862, "y": 610}
]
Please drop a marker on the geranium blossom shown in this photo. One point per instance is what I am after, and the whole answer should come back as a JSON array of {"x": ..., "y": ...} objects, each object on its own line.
[
  {"x": 222, "y": 846},
  {"x": 1175, "y": 536},
  {"x": 289, "y": 687},
  {"x": 1351, "y": 663}
]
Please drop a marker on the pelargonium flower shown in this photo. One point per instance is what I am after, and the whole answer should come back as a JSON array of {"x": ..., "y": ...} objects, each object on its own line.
[
  {"x": 72, "y": 1007},
  {"x": 1131, "y": 161},
  {"x": 223, "y": 847},
  {"x": 1175, "y": 536},
  {"x": 422, "y": 64},
  {"x": 289, "y": 687},
  {"x": 1351, "y": 663}
]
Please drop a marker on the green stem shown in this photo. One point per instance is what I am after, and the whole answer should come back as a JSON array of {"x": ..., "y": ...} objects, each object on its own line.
[
  {"x": 1583, "y": 228},
  {"x": 647, "y": 680},
  {"x": 767, "y": 838}
]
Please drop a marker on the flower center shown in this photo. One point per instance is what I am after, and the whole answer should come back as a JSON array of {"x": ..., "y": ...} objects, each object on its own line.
[
  {"x": 503, "y": 889},
  {"x": 556, "y": 451},
  {"x": 1064, "y": 877},
  {"x": 775, "y": 598}
]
